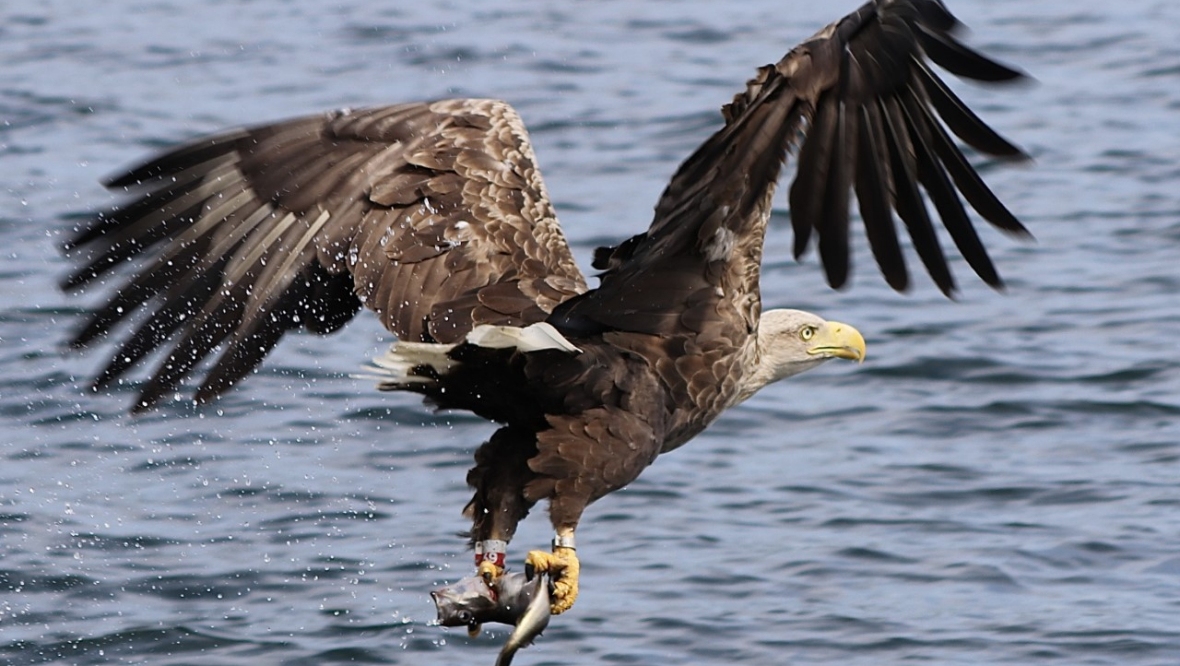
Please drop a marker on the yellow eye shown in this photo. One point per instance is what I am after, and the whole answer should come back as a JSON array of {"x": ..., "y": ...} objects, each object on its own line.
[{"x": 806, "y": 332}]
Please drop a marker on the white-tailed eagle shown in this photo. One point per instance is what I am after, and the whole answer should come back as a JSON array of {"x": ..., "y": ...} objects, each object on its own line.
[{"x": 434, "y": 216}]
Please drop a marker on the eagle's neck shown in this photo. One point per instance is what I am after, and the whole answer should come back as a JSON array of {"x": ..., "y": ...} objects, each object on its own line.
[{"x": 772, "y": 361}]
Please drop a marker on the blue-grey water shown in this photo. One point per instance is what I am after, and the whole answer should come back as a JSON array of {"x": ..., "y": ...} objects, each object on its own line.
[{"x": 998, "y": 484}]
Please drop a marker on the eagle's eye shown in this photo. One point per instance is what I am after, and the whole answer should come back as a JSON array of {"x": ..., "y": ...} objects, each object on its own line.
[{"x": 806, "y": 332}]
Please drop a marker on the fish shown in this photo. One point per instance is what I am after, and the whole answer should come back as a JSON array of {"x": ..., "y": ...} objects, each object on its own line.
[{"x": 517, "y": 600}]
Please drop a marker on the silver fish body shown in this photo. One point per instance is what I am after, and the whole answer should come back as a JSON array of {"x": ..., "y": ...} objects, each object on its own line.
[{"x": 516, "y": 600}]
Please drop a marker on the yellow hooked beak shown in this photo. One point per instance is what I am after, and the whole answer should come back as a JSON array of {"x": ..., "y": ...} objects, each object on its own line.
[{"x": 837, "y": 340}]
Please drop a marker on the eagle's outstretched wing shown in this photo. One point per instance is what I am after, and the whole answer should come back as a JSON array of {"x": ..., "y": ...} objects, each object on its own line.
[
  {"x": 433, "y": 215},
  {"x": 869, "y": 116}
]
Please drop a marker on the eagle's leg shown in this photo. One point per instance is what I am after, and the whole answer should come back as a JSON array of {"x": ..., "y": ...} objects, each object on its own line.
[
  {"x": 565, "y": 510},
  {"x": 498, "y": 505},
  {"x": 562, "y": 566}
]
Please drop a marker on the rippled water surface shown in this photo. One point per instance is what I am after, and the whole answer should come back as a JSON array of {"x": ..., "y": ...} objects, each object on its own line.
[{"x": 997, "y": 485}]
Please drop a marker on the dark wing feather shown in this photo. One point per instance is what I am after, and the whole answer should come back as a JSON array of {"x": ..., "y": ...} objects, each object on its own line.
[
  {"x": 953, "y": 56},
  {"x": 888, "y": 95},
  {"x": 938, "y": 185},
  {"x": 873, "y": 181},
  {"x": 432, "y": 215},
  {"x": 808, "y": 191},
  {"x": 833, "y": 243},
  {"x": 908, "y": 199},
  {"x": 864, "y": 109},
  {"x": 960, "y": 118}
]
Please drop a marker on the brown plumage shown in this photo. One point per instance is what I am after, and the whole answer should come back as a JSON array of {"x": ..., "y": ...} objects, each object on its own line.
[{"x": 434, "y": 216}]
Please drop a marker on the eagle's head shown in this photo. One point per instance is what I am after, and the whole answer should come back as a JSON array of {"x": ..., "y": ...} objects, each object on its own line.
[{"x": 793, "y": 341}]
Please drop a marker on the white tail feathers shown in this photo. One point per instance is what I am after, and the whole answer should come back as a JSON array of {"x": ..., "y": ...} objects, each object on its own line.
[
  {"x": 534, "y": 337},
  {"x": 394, "y": 370}
]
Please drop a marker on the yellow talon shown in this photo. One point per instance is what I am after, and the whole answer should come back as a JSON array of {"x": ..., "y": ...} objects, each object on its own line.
[
  {"x": 562, "y": 566},
  {"x": 489, "y": 571}
]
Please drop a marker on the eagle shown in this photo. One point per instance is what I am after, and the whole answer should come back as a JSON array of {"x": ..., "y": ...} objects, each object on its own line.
[{"x": 434, "y": 216}]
